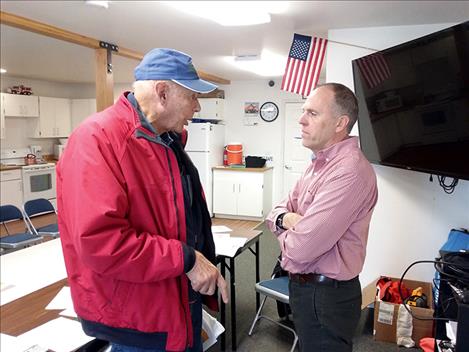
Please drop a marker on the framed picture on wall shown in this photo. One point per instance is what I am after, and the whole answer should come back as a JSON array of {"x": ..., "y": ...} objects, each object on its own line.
[{"x": 251, "y": 109}]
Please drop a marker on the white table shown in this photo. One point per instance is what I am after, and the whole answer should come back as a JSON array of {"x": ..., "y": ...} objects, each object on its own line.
[{"x": 30, "y": 269}]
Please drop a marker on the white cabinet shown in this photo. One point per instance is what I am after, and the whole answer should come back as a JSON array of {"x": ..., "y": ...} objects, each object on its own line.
[
  {"x": 211, "y": 108},
  {"x": 11, "y": 185},
  {"x": 20, "y": 105},
  {"x": 54, "y": 118},
  {"x": 242, "y": 193},
  {"x": 81, "y": 109}
]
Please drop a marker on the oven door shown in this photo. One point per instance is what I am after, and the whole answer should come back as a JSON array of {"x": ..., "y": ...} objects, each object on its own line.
[{"x": 38, "y": 184}]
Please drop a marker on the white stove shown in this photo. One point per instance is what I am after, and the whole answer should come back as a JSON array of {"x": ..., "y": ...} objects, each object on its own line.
[{"x": 38, "y": 179}]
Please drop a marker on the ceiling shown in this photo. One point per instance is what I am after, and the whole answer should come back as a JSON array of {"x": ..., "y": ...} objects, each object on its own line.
[{"x": 143, "y": 25}]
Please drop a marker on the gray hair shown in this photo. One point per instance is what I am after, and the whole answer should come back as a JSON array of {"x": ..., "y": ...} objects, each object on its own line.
[{"x": 345, "y": 102}]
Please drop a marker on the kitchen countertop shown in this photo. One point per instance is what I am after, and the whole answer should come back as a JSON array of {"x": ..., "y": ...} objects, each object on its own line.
[
  {"x": 245, "y": 169},
  {"x": 10, "y": 167}
]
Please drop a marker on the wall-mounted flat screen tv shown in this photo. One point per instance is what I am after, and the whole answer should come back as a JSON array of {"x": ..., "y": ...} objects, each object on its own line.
[{"x": 414, "y": 104}]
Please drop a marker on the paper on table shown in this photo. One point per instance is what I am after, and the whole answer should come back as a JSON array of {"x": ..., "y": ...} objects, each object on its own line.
[
  {"x": 59, "y": 335},
  {"x": 220, "y": 229},
  {"x": 12, "y": 344},
  {"x": 63, "y": 300},
  {"x": 228, "y": 246}
]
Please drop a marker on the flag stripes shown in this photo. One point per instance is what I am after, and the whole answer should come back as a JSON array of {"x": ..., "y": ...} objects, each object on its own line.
[
  {"x": 304, "y": 64},
  {"x": 374, "y": 69}
]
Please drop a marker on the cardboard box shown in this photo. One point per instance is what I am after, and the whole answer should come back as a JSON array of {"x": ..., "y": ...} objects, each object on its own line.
[{"x": 385, "y": 316}]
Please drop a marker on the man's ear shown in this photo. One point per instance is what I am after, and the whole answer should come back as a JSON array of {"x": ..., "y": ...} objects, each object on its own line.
[
  {"x": 161, "y": 90},
  {"x": 342, "y": 123}
]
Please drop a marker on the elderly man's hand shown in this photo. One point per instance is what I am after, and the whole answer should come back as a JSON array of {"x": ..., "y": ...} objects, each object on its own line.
[{"x": 205, "y": 277}]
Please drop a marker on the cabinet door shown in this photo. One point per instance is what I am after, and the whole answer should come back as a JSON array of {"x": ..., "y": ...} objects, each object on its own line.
[
  {"x": 224, "y": 193},
  {"x": 250, "y": 194},
  {"x": 211, "y": 108},
  {"x": 21, "y": 105},
  {"x": 62, "y": 117},
  {"x": 11, "y": 192},
  {"x": 47, "y": 117}
]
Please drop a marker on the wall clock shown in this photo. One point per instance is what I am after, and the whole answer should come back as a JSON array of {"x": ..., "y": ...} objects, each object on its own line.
[{"x": 269, "y": 111}]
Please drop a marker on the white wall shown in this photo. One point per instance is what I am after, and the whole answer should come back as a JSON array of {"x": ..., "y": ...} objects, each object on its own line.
[
  {"x": 413, "y": 216},
  {"x": 266, "y": 138},
  {"x": 17, "y": 128}
]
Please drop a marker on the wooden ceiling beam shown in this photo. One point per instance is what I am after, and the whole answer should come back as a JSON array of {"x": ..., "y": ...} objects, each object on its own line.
[{"x": 30, "y": 25}]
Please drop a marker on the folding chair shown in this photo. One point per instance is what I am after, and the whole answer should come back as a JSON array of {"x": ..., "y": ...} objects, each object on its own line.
[
  {"x": 37, "y": 208},
  {"x": 11, "y": 214},
  {"x": 276, "y": 288}
]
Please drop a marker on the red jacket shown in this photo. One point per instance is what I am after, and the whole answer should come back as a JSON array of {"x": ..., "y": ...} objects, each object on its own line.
[{"x": 122, "y": 225}]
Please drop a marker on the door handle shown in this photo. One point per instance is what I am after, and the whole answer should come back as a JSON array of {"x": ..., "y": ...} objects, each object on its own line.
[{"x": 288, "y": 167}]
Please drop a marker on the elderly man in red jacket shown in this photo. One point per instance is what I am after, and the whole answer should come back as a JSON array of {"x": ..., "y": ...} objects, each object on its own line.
[{"x": 135, "y": 229}]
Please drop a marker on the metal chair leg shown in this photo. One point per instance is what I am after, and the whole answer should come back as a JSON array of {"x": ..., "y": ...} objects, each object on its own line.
[{"x": 257, "y": 316}]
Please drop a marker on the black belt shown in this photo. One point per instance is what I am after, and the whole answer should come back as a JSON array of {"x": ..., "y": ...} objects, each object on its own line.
[{"x": 318, "y": 278}]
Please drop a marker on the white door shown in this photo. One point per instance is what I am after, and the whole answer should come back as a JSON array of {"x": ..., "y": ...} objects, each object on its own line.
[{"x": 296, "y": 157}]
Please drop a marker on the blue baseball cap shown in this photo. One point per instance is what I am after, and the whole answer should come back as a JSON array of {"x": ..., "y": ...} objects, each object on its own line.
[{"x": 172, "y": 65}]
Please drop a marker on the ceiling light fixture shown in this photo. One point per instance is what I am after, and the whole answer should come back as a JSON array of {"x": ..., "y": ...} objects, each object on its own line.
[
  {"x": 104, "y": 4},
  {"x": 268, "y": 64},
  {"x": 2, "y": 70},
  {"x": 232, "y": 13}
]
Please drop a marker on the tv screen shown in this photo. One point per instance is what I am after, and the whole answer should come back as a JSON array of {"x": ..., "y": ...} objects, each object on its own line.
[{"x": 414, "y": 104}]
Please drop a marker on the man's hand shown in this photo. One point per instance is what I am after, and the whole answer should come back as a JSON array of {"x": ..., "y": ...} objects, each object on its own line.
[
  {"x": 290, "y": 220},
  {"x": 205, "y": 277}
]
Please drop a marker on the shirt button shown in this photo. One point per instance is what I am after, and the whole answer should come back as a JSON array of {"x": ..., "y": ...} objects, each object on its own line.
[
  {"x": 327, "y": 159},
  {"x": 315, "y": 173}
]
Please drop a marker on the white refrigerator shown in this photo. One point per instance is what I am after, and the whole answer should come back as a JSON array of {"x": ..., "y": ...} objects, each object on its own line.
[{"x": 205, "y": 142}]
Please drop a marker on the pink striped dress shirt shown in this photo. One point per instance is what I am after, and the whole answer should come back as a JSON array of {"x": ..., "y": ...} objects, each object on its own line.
[{"x": 336, "y": 196}]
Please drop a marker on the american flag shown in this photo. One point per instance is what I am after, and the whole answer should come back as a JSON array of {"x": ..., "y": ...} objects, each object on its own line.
[
  {"x": 304, "y": 64},
  {"x": 374, "y": 69}
]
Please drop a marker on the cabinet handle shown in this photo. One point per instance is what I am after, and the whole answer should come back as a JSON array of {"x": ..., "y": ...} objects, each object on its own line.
[
  {"x": 239, "y": 188},
  {"x": 233, "y": 187}
]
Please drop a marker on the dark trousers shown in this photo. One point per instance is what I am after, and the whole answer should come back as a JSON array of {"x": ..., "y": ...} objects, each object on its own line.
[{"x": 325, "y": 315}]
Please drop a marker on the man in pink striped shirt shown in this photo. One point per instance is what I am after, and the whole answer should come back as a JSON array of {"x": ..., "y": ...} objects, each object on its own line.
[{"x": 322, "y": 226}]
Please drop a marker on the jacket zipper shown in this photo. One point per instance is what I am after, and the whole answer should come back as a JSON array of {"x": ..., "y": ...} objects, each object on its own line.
[{"x": 179, "y": 234}]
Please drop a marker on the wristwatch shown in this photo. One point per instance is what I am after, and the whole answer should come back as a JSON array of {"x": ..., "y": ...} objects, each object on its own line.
[{"x": 279, "y": 221}]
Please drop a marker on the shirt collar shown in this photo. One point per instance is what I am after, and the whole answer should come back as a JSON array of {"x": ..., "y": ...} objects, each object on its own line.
[{"x": 338, "y": 148}]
